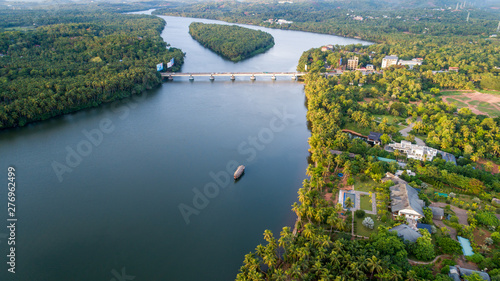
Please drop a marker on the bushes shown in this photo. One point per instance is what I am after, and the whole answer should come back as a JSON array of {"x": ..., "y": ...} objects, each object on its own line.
[
  {"x": 445, "y": 269},
  {"x": 448, "y": 246},
  {"x": 360, "y": 213},
  {"x": 487, "y": 218},
  {"x": 368, "y": 222},
  {"x": 496, "y": 237},
  {"x": 383, "y": 218},
  {"x": 476, "y": 258}
]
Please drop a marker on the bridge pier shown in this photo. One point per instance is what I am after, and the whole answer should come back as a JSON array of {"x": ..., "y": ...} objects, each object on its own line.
[
  {"x": 232, "y": 77},
  {"x": 252, "y": 77},
  {"x": 191, "y": 78},
  {"x": 294, "y": 77},
  {"x": 212, "y": 78},
  {"x": 274, "y": 77}
]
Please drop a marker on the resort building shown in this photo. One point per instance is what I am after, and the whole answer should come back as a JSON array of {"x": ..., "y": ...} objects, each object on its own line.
[
  {"x": 411, "y": 63},
  {"x": 405, "y": 202},
  {"x": 415, "y": 151},
  {"x": 282, "y": 21},
  {"x": 388, "y": 61}
]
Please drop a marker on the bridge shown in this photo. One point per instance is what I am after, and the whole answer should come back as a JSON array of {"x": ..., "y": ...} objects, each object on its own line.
[{"x": 232, "y": 75}]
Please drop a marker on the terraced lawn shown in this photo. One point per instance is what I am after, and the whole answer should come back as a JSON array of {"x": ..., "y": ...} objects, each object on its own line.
[{"x": 365, "y": 203}]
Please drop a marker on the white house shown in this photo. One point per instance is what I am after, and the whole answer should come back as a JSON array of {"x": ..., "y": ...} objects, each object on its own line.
[
  {"x": 410, "y": 63},
  {"x": 415, "y": 151}
]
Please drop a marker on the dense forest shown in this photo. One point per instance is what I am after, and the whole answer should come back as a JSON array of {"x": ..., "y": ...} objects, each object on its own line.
[
  {"x": 331, "y": 17},
  {"x": 89, "y": 59},
  {"x": 231, "y": 41}
]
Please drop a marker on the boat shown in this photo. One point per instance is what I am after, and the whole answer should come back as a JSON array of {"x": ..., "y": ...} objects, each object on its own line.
[{"x": 239, "y": 172}]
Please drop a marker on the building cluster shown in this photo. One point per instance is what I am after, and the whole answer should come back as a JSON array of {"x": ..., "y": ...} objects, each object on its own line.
[
  {"x": 415, "y": 151},
  {"x": 388, "y": 61},
  {"x": 421, "y": 152},
  {"x": 279, "y": 21},
  {"x": 457, "y": 273}
]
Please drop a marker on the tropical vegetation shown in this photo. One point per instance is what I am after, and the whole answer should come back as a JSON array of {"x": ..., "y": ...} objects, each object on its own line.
[{"x": 231, "y": 41}]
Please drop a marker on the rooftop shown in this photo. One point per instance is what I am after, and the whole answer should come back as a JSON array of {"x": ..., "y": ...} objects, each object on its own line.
[
  {"x": 403, "y": 197},
  {"x": 437, "y": 212},
  {"x": 406, "y": 232},
  {"x": 374, "y": 136}
]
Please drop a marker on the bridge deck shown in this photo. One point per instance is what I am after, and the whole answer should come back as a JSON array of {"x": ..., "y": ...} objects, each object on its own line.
[{"x": 235, "y": 74}]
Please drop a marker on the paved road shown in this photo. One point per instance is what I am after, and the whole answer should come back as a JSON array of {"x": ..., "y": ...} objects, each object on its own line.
[
  {"x": 461, "y": 213},
  {"x": 404, "y": 132}
]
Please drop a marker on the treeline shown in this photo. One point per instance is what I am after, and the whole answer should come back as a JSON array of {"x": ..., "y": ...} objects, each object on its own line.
[
  {"x": 61, "y": 68},
  {"x": 231, "y": 41},
  {"x": 33, "y": 14},
  {"x": 334, "y": 17}
]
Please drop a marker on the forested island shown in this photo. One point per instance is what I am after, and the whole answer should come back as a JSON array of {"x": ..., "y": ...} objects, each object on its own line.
[
  {"x": 231, "y": 41},
  {"x": 50, "y": 68}
]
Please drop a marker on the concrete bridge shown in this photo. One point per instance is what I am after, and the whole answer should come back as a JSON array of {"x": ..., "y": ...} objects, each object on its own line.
[{"x": 233, "y": 75}]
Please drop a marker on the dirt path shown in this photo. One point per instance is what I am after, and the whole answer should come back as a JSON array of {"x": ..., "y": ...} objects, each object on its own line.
[
  {"x": 428, "y": 262},
  {"x": 404, "y": 132}
]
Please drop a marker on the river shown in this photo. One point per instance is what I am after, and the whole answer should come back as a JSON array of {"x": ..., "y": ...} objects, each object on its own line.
[{"x": 126, "y": 170}]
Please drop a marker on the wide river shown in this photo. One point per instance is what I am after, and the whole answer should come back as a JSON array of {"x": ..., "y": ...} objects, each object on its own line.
[{"x": 112, "y": 211}]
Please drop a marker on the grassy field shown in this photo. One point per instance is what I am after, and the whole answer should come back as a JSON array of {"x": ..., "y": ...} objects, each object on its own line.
[
  {"x": 392, "y": 120},
  {"x": 367, "y": 186},
  {"x": 451, "y": 93},
  {"x": 20, "y": 28},
  {"x": 493, "y": 92},
  {"x": 488, "y": 109},
  {"x": 457, "y": 102},
  {"x": 463, "y": 98},
  {"x": 365, "y": 203},
  {"x": 355, "y": 127}
]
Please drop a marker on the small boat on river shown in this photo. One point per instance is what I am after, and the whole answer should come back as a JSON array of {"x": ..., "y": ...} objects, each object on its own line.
[{"x": 239, "y": 172}]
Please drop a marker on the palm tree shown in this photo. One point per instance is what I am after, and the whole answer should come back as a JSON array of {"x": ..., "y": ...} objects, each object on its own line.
[
  {"x": 374, "y": 265},
  {"x": 308, "y": 230},
  {"x": 348, "y": 203}
]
